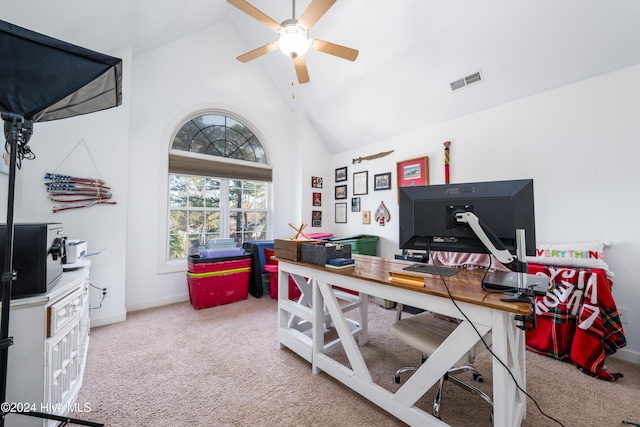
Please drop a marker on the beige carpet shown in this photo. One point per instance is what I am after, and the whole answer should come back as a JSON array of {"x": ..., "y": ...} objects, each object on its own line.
[{"x": 221, "y": 366}]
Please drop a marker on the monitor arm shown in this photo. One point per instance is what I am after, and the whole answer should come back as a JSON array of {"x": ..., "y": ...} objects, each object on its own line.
[{"x": 490, "y": 241}]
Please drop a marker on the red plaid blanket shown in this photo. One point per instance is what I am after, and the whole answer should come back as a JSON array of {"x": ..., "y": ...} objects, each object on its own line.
[{"x": 577, "y": 321}]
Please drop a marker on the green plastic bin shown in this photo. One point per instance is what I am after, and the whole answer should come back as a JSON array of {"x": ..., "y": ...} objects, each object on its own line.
[{"x": 363, "y": 244}]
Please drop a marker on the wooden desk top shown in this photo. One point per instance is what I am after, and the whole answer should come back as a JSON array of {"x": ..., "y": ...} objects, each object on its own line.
[{"x": 464, "y": 285}]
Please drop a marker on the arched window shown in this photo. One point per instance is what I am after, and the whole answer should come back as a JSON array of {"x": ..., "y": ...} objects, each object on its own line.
[{"x": 219, "y": 184}]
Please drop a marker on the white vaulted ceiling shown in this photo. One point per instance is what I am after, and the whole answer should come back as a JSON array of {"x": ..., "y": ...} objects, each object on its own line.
[{"x": 410, "y": 50}]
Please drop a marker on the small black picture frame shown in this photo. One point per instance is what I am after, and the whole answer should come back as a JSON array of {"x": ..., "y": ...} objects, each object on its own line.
[
  {"x": 341, "y": 192},
  {"x": 316, "y": 218},
  {"x": 382, "y": 181},
  {"x": 355, "y": 204},
  {"x": 341, "y": 174}
]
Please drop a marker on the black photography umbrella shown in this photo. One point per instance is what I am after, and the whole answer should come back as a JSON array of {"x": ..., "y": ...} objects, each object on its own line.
[{"x": 42, "y": 79}]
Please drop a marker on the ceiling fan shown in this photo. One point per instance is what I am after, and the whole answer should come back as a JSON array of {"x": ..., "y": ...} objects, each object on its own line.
[{"x": 294, "y": 38}]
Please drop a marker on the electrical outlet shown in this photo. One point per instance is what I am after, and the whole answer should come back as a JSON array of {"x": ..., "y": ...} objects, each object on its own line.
[{"x": 623, "y": 312}]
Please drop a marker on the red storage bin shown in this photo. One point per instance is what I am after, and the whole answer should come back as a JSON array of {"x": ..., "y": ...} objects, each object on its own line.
[
  {"x": 269, "y": 256},
  {"x": 294, "y": 290},
  {"x": 208, "y": 265},
  {"x": 217, "y": 288}
]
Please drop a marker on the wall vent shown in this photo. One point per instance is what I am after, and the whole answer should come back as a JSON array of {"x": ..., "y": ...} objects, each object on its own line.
[{"x": 466, "y": 81}]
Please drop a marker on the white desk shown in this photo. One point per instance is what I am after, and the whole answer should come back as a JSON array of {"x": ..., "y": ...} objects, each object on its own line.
[{"x": 371, "y": 277}]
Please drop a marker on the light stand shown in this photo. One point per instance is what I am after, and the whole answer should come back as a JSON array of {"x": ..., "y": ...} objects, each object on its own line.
[{"x": 43, "y": 79}]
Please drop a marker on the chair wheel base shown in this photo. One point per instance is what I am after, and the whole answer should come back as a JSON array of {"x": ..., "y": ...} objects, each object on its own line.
[{"x": 396, "y": 378}]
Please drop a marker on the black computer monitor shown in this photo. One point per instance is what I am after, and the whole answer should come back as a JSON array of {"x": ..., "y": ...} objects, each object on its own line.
[
  {"x": 493, "y": 217},
  {"x": 428, "y": 216}
]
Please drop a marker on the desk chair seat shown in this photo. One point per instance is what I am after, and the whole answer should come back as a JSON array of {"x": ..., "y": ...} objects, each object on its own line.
[{"x": 426, "y": 332}]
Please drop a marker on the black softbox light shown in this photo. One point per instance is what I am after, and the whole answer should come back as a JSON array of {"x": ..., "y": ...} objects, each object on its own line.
[{"x": 43, "y": 79}]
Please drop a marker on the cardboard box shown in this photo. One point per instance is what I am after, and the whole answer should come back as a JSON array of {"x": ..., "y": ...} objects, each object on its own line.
[
  {"x": 321, "y": 252},
  {"x": 289, "y": 249}
]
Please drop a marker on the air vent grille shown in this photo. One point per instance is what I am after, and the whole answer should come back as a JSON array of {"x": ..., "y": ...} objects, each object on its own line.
[
  {"x": 458, "y": 84},
  {"x": 466, "y": 81}
]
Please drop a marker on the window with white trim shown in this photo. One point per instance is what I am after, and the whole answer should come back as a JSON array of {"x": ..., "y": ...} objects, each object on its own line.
[{"x": 219, "y": 185}]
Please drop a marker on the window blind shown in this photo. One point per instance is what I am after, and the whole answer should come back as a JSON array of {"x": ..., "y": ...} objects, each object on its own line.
[{"x": 188, "y": 165}]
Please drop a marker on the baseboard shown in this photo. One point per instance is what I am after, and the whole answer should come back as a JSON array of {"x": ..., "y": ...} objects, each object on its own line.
[
  {"x": 157, "y": 302},
  {"x": 107, "y": 320},
  {"x": 627, "y": 355}
]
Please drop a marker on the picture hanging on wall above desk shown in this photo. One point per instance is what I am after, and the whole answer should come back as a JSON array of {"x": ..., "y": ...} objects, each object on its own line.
[
  {"x": 413, "y": 172},
  {"x": 366, "y": 217},
  {"x": 341, "y": 174},
  {"x": 341, "y": 213},
  {"x": 316, "y": 218},
  {"x": 355, "y": 204},
  {"x": 382, "y": 181},
  {"x": 360, "y": 183},
  {"x": 341, "y": 192}
]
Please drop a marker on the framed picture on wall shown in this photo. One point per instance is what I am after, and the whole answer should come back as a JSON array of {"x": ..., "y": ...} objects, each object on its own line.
[
  {"x": 355, "y": 204},
  {"x": 413, "y": 172},
  {"x": 341, "y": 192},
  {"x": 360, "y": 183},
  {"x": 341, "y": 213},
  {"x": 316, "y": 218},
  {"x": 317, "y": 199},
  {"x": 341, "y": 174},
  {"x": 382, "y": 181},
  {"x": 366, "y": 217},
  {"x": 316, "y": 182}
]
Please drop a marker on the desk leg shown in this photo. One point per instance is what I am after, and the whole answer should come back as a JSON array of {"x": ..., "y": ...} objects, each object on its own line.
[
  {"x": 294, "y": 317},
  {"x": 318, "y": 318},
  {"x": 342, "y": 327},
  {"x": 304, "y": 300},
  {"x": 363, "y": 311},
  {"x": 508, "y": 344},
  {"x": 358, "y": 376}
]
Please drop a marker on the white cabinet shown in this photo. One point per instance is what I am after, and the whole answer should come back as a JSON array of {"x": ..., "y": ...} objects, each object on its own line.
[{"x": 51, "y": 337}]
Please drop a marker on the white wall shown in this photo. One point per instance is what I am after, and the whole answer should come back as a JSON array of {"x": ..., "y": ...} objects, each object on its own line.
[
  {"x": 169, "y": 84},
  {"x": 315, "y": 161},
  {"x": 106, "y": 142},
  {"x": 580, "y": 145}
]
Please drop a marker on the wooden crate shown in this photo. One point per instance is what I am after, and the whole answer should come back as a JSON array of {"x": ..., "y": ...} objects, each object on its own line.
[{"x": 289, "y": 249}]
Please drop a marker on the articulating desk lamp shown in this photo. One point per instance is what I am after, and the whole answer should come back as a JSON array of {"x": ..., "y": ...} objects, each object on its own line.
[{"x": 43, "y": 79}]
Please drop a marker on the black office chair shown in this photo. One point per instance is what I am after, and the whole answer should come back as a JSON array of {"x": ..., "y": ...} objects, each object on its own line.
[{"x": 426, "y": 332}]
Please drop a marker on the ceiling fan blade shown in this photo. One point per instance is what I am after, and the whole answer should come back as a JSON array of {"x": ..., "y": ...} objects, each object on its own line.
[
  {"x": 335, "y": 49},
  {"x": 314, "y": 12},
  {"x": 301, "y": 69},
  {"x": 255, "y": 13},
  {"x": 255, "y": 53}
]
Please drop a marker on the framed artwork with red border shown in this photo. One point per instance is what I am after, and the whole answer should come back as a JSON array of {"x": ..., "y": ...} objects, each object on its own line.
[{"x": 413, "y": 172}]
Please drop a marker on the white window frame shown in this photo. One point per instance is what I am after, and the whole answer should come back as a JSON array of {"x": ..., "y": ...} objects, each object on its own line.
[{"x": 164, "y": 264}]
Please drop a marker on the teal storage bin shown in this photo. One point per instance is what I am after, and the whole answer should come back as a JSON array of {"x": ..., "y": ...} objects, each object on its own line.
[{"x": 363, "y": 244}]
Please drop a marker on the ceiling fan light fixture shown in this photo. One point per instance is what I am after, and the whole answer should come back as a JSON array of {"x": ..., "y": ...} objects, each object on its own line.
[{"x": 294, "y": 40}]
